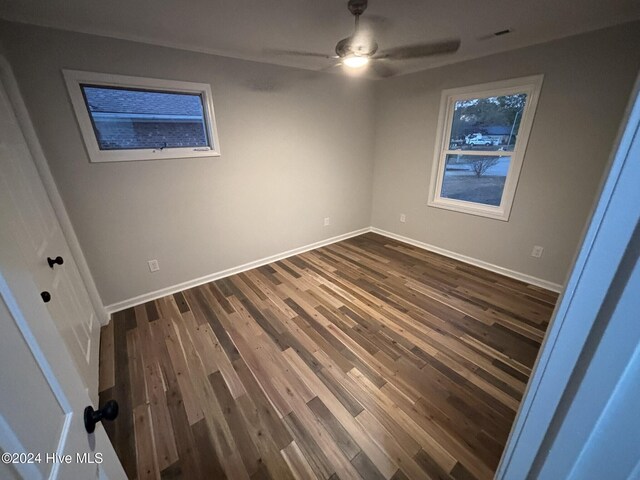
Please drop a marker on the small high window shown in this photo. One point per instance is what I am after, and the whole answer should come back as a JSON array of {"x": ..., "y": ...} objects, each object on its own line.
[
  {"x": 130, "y": 118},
  {"x": 481, "y": 140}
]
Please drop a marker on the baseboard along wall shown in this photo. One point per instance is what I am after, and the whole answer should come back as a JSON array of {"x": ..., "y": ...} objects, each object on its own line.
[
  {"x": 538, "y": 282},
  {"x": 131, "y": 302}
]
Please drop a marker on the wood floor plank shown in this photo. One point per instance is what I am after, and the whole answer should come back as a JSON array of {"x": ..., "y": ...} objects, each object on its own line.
[
  {"x": 147, "y": 462},
  {"x": 342, "y": 438},
  {"x": 366, "y": 468},
  {"x": 138, "y": 379},
  {"x": 298, "y": 463},
  {"x": 248, "y": 451},
  {"x": 180, "y": 365},
  {"x": 350, "y": 428},
  {"x": 188, "y": 463},
  {"x": 124, "y": 439},
  {"x": 397, "y": 420},
  {"x": 208, "y": 459},
  {"x": 364, "y": 359},
  {"x": 107, "y": 375},
  {"x": 267, "y": 416},
  {"x": 401, "y": 454},
  {"x": 258, "y": 421},
  {"x": 163, "y": 432},
  {"x": 317, "y": 459}
]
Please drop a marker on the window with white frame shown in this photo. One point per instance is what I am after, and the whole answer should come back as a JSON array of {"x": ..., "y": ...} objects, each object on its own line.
[
  {"x": 481, "y": 140},
  {"x": 125, "y": 118}
]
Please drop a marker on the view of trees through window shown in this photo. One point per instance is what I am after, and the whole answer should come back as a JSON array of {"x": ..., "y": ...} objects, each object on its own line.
[
  {"x": 491, "y": 123},
  {"x": 479, "y": 127}
]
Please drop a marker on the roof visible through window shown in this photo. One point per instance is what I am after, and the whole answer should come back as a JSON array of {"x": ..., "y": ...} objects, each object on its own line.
[{"x": 141, "y": 119}]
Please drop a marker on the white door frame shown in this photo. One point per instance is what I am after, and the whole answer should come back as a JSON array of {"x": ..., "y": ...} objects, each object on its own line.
[
  {"x": 609, "y": 232},
  {"x": 28, "y": 130}
]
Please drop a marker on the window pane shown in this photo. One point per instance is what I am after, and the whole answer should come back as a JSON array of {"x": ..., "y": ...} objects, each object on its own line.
[
  {"x": 490, "y": 123},
  {"x": 475, "y": 178},
  {"x": 126, "y": 119}
]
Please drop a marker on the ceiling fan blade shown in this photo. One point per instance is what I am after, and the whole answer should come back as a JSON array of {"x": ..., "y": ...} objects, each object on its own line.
[
  {"x": 381, "y": 69},
  {"x": 330, "y": 67},
  {"x": 298, "y": 53},
  {"x": 420, "y": 50}
]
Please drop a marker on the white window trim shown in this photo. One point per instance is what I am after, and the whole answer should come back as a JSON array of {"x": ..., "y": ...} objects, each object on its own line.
[
  {"x": 529, "y": 85},
  {"x": 74, "y": 78}
]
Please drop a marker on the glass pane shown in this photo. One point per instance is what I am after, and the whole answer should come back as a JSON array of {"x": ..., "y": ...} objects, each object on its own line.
[
  {"x": 490, "y": 123},
  {"x": 475, "y": 178},
  {"x": 126, "y": 119}
]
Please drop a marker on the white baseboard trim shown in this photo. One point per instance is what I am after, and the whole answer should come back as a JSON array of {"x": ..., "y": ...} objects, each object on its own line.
[
  {"x": 539, "y": 282},
  {"x": 131, "y": 302}
]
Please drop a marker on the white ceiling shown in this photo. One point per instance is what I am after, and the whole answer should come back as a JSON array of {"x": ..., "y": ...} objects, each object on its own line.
[{"x": 245, "y": 29}]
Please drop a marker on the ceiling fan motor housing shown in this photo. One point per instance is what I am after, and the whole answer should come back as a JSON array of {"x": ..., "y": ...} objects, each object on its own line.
[
  {"x": 354, "y": 45},
  {"x": 357, "y": 7},
  {"x": 347, "y": 46}
]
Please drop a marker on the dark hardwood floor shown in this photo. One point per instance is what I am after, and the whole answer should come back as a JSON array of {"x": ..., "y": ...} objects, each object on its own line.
[{"x": 368, "y": 358}]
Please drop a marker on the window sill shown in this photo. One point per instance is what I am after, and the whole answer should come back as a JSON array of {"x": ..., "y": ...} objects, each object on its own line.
[
  {"x": 495, "y": 213},
  {"x": 104, "y": 156}
]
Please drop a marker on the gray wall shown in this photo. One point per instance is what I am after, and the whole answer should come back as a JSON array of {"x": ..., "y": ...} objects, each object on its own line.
[
  {"x": 587, "y": 82},
  {"x": 296, "y": 147}
]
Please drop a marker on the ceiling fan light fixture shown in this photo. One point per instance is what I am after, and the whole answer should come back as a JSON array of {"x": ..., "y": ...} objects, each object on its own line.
[
  {"x": 360, "y": 48},
  {"x": 355, "y": 61}
]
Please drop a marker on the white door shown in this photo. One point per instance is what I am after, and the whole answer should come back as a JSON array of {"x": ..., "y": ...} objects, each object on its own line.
[
  {"x": 35, "y": 228},
  {"x": 48, "y": 351},
  {"x": 42, "y": 398}
]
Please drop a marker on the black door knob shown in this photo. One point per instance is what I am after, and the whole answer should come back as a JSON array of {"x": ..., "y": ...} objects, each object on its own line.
[
  {"x": 46, "y": 296},
  {"x": 55, "y": 261},
  {"x": 108, "y": 412}
]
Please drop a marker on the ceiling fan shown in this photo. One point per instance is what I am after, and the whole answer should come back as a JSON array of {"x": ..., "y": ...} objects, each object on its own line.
[{"x": 360, "y": 48}]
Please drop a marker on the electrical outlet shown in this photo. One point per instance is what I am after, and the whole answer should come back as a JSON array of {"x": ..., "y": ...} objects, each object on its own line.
[
  {"x": 327, "y": 221},
  {"x": 154, "y": 266},
  {"x": 537, "y": 251},
  {"x": 403, "y": 218}
]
